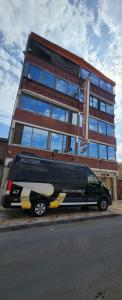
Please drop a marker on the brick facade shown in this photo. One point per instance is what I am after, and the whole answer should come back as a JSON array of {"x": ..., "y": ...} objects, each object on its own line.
[{"x": 31, "y": 87}]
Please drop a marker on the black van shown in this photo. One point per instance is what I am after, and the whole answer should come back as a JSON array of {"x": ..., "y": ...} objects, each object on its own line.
[{"x": 37, "y": 183}]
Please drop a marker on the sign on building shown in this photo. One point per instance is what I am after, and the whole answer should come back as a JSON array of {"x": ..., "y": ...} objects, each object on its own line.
[{"x": 85, "y": 123}]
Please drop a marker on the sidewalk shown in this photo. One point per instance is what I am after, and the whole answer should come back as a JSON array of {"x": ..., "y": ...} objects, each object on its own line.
[{"x": 15, "y": 219}]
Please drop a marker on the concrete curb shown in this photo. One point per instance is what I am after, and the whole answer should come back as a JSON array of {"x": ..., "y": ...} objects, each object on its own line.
[{"x": 73, "y": 220}]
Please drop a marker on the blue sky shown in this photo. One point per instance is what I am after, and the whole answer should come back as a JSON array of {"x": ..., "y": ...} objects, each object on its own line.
[{"x": 90, "y": 28}]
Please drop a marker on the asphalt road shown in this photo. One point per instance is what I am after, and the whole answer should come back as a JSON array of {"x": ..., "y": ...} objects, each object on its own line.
[{"x": 79, "y": 261}]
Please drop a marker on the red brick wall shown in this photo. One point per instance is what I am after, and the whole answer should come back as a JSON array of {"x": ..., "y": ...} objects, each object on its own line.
[
  {"x": 93, "y": 163},
  {"x": 67, "y": 76},
  {"x": 29, "y": 117},
  {"x": 62, "y": 98}
]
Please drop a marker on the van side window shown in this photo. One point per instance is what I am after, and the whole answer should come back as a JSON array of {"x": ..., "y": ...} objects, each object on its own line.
[{"x": 92, "y": 179}]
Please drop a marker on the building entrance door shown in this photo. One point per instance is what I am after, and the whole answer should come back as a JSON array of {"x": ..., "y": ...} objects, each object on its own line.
[{"x": 108, "y": 182}]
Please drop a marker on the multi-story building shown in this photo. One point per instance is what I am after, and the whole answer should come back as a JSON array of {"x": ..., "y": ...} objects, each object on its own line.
[
  {"x": 3, "y": 150},
  {"x": 48, "y": 112}
]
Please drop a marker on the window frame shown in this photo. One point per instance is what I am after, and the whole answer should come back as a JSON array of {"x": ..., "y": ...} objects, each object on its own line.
[
  {"x": 93, "y": 119},
  {"x": 93, "y": 142},
  {"x": 106, "y": 151}
]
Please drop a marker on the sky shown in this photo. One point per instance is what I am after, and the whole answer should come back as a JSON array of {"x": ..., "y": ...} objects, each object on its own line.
[{"x": 91, "y": 29}]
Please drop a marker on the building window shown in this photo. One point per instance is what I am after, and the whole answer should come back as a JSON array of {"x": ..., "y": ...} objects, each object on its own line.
[
  {"x": 69, "y": 144},
  {"x": 72, "y": 90},
  {"x": 111, "y": 153},
  {"x": 58, "y": 113},
  {"x": 94, "y": 102},
  {"x": 61, "y": 85},
  {"x": 34, "y": 137},
  {"x": 57, "y": 142},
  {"x": 35, "y": 73},
  {"x": 48, "y": 79},
  {"x": 37, "y": 106},
  {"x": 93, "y": 150},
  {"x": 73, "y": 144},
  {"x": 74, "y": 118},
  {"x": 110, "y": 130},
  {"x": 25, "y": 69},
  {"x": 93, "y": 124},
  {"x": 103, "y": 84},
  {"x": 110, "y": 109},
  {"x": 81, "y": 95},
  {"x": 81, "y": 120},
  {"x": 102, "y": 127},
  {"x": 102, "y": 106},
  {"x": 26, "y": 136},
  {"x": 95, "y": 79},
  {"x": 102, "y": 151},
  {"x": 39, "y": 138},
  {"x": 84, "y": 73},
  {"x": 109, "y": 88}
]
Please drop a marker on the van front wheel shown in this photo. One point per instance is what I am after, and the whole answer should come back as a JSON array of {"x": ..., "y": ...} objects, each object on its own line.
[
  {"x": 102, "y": 204},
  {"x": 39, "y": 208}
]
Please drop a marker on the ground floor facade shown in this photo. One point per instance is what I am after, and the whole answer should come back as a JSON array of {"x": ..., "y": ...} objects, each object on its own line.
[{"x": 106, "y": 171}]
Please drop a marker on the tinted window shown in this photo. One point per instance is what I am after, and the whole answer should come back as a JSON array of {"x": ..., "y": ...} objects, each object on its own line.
[
  {"x": 111, "y": 153},
  {"x": 110, "y": 109},
  {"x": 81, "y": 120},
  {"x": 80, "y": 95},
  {"x": 69, "y": 144},
  {"x": 35, "y": 73},
  {"x": 84, "y": 73},
  {"x": 58, "y": 113},
  {"x": 27, "y": 103},
  {"x": 72, "y": 90},
  {"x": 48, "y": 79},
  {"x": 26, "y": 136},
  {"x": 26, "y": 67},
  {"x": 102, "y": 151},
  {"x": 33, "y": 105},
  {"x": 109, "y": 88},
  {"x": 74, "y": 118},
  {"x": 92, "y": 179},
  {"x": 92, "y": 124},
  {"x": 110, "y": 130},
  {"x": 102, "y": 127},
  {"x": 61, "y": 85},
  {"x": 44, "y": 108},
  {"x": 39, "y": 138},
  {"x": 57, "y": 142},
  {"x": 103, "y": 84},
  {"x": 94, "y": 79},
  {"x": 93, "y": 150},
  {"x": 93, "y": 102},
  {"x": 102, "y": 106}
]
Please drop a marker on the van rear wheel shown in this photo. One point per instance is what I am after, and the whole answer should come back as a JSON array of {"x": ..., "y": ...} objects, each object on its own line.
[
  {"x": 102, "y": 204},
  {"x": 39, "y": 208}
]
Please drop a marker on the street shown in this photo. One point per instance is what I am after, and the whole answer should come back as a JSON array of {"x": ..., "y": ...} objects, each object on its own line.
[{"x": 75, "y": 261}]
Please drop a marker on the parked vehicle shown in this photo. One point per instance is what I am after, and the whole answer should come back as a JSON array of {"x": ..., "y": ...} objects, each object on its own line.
[{"x": 38, "y": 184}]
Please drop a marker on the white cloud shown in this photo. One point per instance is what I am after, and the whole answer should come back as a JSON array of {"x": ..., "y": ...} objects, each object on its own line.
[{"x": 58, "y": 21}]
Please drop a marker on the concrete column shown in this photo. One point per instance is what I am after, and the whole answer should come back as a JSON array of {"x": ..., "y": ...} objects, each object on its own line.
[{"x": 115, "y": 189}]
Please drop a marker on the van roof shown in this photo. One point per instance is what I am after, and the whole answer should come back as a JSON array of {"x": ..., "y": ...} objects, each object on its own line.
[{"x": 45, "y": 159}]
